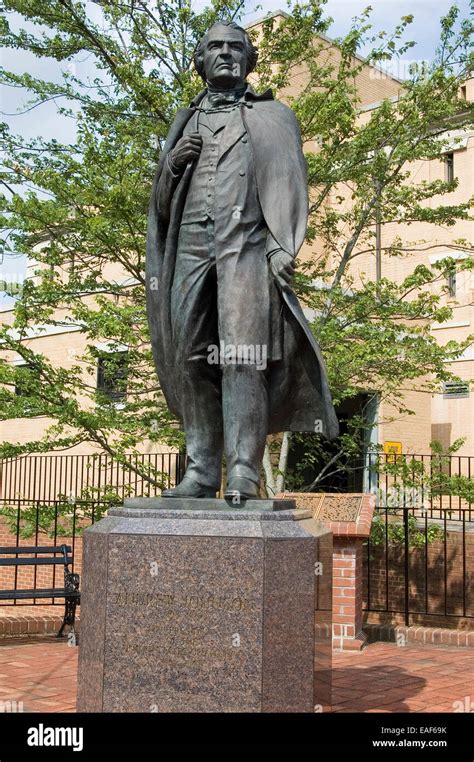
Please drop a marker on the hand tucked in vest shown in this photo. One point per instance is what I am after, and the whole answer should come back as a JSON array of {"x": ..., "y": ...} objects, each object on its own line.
[{"x": 186, "y": 149}]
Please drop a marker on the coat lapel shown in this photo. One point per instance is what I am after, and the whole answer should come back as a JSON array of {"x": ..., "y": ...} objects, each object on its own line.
[
  {"x": 235, "y": 127},
  {"x": 233, "y": 131}
]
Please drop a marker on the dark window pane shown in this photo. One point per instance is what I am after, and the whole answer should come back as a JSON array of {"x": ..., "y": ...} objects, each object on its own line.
[
  {"x": 22, "y": 373},
  {"x": 449, "y": 167},
  {"x": 452, "y": 284},
  {"x": 112, "y": 373}
]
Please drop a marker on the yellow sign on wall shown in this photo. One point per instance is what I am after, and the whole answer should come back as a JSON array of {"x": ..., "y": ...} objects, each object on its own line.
[{"x": 393, "y": 449}]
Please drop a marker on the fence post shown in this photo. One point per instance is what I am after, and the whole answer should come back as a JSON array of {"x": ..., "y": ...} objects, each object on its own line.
[{"x": 407, "y": 565}]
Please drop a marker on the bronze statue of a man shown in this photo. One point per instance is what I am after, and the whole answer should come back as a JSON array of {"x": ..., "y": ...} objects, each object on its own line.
[{"x": 228, "y": 213}]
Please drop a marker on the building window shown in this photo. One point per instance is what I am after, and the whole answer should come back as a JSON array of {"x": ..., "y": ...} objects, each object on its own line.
[
  {"x": 22, "y": 373},
  {"x": 452, "y": 283},
  {"x": 112, "y": 373},
  {"x": 26, "y": 381},
  {"x": 449, "y": 167},
  {"x": 455, "y": 389}
]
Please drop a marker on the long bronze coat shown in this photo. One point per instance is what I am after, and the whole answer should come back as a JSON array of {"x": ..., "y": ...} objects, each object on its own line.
[{"x": 299, "y": 396}]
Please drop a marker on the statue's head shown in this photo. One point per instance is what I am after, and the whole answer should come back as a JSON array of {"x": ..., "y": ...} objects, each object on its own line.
[{"x": 225, "y": 55}]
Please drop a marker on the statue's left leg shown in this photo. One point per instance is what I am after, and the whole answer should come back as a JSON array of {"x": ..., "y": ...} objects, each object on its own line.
[
  {"x": 245, "y": 337},
  {"x": 245, "y": 414}
]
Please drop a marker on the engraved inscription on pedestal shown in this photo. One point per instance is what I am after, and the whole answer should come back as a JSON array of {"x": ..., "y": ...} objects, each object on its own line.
[{"x": 182, "y": 638}]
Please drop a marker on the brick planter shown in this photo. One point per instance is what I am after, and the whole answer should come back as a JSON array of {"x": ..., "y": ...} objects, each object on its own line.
[{"x": 349, "y": 517}]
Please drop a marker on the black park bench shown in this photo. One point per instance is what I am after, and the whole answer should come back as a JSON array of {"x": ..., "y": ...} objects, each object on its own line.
[{"x": 51, "y": 555}]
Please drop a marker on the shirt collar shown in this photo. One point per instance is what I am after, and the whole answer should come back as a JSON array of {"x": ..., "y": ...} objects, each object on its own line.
[{"x": 249, "y": 95}]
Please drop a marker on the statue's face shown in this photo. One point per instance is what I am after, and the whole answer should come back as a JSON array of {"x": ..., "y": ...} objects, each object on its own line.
[{"x": 225, "y": 57}]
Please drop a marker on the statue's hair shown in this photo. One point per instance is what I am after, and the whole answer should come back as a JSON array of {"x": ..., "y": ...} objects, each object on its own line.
[{"x": 251, "y": 50}]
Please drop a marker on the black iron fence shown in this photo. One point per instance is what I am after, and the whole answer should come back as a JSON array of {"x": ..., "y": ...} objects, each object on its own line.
[
  {"x": 419, "y": 559},
  {"x": 435, "y": 485},
  {"x": 420, "y": 567},
  {"x": 43, "y": 478}
]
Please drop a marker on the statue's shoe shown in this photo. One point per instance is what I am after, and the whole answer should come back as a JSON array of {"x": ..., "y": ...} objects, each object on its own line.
[
  {"x": 239, "y": 488},
  {"x": 189, "y": 488}
]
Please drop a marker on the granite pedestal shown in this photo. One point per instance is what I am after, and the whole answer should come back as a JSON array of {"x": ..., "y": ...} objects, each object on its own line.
[{"x": 203, "y": 609}]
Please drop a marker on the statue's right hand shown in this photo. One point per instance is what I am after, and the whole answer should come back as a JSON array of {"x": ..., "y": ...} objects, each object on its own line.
[{"x": 186, "y": 149}]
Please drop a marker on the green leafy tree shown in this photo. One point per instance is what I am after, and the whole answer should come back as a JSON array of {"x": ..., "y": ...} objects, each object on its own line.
[
  {"x": 80, "y": 209},
  {"x": 394, "y": 533}
]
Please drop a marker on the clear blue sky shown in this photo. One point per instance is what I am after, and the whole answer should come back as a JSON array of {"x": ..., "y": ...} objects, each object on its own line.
[{"x": 45, "y": 121}]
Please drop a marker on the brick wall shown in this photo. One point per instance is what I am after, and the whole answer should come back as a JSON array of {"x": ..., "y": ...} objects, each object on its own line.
[{"x": 434, "y": 593}]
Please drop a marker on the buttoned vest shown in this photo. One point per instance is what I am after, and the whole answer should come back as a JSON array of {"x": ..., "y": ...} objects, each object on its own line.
[{"x": 201, "y": 196}]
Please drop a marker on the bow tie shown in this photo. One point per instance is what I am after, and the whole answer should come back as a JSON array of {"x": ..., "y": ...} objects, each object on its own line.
[{"x": 225, "y": 97}]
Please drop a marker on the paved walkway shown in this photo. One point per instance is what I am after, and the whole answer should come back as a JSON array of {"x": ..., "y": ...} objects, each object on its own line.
[
  {"x": 383, "y": 678},
  {"x": 39, "y": 672}
]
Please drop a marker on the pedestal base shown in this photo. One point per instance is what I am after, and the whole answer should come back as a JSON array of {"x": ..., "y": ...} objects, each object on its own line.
[{"x": 201, "y": 611}]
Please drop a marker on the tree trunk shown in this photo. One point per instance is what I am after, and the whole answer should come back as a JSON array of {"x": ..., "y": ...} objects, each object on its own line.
[{"x": 275, "y": 482}]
